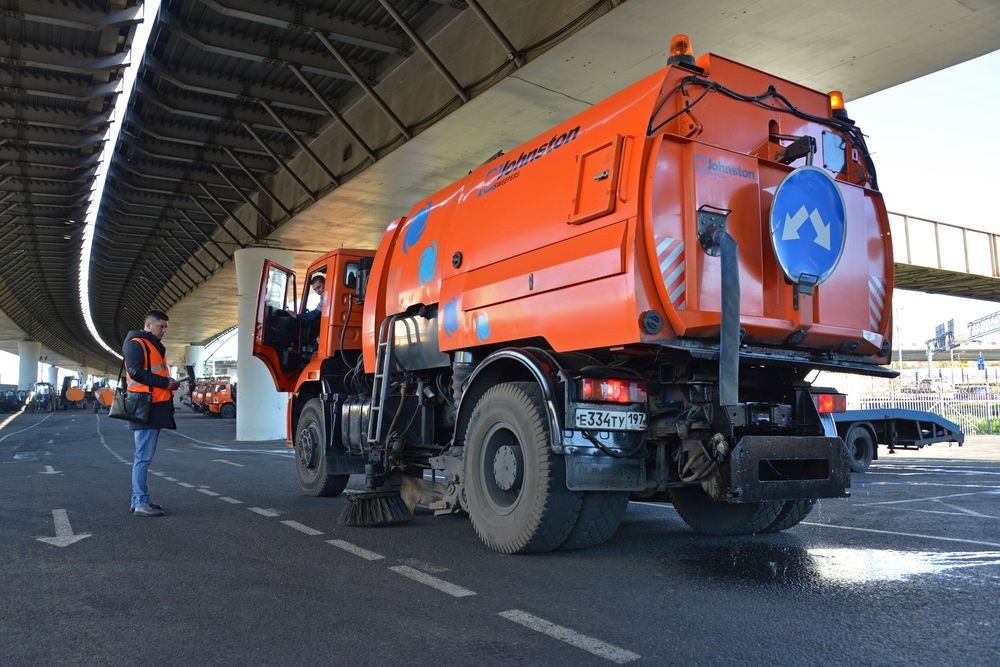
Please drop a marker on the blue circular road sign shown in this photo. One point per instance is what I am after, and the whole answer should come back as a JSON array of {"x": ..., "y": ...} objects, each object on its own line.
[{"x": 808, "y": 225}]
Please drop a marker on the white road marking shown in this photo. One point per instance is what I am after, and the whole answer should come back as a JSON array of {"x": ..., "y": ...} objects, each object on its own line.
[
  {"x": 264, "y": 512},
  {"x": 49, "y": 470},
  {"x": 356, "y": 550},
  {"x": 238, "y": 465},
  {"x": 430, "y": 568},
  {"x": 920, "y": 470},
  {"x": 957, "y": 486},
  {"x": 964, "y": 510},
  {"x": 433, "y": 582},
  {"x": 207, "y": 492},
  {"x": 302, "y": 528},
  {"x": 64, "y": 532},
  {"x": 286, "y": 452},
  {"x": 900, "y": 534},
  {"x": 104, "y": 443},
  {"x": 571, "y": 637},
  {"x": 158, "y": 474},
  {"x": 14, "y": 416},
  {"x": 231, "y": 501},
  {"x": 918, "y": 500},
  {"x": 170, "y": 479},
  {"x": 23, "y": 429},
  {"x": 185, "y": 485}
]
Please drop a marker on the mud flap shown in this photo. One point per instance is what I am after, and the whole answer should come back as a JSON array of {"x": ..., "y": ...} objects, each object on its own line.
[
  {"x": 788, "y": 468},
  {"x": 604, "y": 473}
]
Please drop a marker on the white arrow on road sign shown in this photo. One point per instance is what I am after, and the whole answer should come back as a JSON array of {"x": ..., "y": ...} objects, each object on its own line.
[
  {"x": 49, "y": 470},
  {"x": 792, "y": 224},
  {"x": 64, "y": 532}
]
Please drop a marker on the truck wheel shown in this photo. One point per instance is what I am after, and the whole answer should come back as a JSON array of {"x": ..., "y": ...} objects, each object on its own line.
[
  {"x": 228, "y": 411},
  {"x": 310, "y": 454},
  {"x": 860, "y": 448},
  {"x": 515, "y": 486},
  {"x": 714, "y": 517},
  {"x": 600, "y": 515},
  {"x": 791, "y": 514}
]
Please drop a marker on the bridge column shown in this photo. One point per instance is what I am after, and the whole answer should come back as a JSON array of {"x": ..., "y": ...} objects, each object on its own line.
[
  {"x": 28, "y": 352},
  {"x": 194, "y": 355},
  {"x": 54, "y": 377},
  {"x": 260, "y": 409}
]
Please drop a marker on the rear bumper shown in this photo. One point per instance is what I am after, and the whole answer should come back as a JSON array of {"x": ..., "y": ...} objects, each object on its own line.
[{"x": 788, "y": 468}]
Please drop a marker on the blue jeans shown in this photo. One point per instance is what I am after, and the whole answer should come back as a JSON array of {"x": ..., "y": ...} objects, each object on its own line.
[{"x": 145, "y": 447}]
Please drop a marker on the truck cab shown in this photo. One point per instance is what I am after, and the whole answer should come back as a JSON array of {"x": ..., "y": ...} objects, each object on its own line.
[
  {"x": 222, "y": 402},
  {"x": 198, "y": 396},
  {"x": 298, "y": 337}
]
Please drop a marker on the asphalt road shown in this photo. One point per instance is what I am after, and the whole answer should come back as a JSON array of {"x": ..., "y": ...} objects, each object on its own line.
[{"x": 246, "y": 570}]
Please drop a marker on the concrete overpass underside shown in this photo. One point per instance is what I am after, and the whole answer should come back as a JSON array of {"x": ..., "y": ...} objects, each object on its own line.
[{"x": 310, "y": 125}]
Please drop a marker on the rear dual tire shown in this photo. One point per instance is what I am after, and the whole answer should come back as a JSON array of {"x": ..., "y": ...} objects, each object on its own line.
[{"x": 515, "y": 485}]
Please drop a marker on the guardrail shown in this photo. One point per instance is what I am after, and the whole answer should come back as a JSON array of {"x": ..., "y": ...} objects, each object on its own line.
[
  {"x": 918, "y": 241},
  {"x": 977, "y": 413}
]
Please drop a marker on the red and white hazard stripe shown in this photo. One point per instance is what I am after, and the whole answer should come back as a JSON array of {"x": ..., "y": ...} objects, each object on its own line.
[
  {"x": 876, "y": 301},
  {"x": 670, "y": 254}
]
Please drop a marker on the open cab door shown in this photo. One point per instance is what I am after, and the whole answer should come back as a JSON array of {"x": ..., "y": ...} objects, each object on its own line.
[{"x": 276, "y": 329}]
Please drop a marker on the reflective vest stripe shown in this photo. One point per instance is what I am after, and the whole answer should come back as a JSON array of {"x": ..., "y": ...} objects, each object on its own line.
[{"x": 157, "y": 366}]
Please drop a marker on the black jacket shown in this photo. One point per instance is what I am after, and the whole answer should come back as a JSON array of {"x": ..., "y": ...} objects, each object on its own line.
[{"x": 161, "y": 415}]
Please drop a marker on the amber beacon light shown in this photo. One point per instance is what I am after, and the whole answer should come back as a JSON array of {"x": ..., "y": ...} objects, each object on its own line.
[
  {"x": 680, "y": 51},
  {"x": 837, "y": 104}
]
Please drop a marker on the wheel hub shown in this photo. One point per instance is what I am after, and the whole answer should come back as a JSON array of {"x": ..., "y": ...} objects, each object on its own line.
[
  {"x": 505, "y": 468},
  {"x": 307, "y": 448}
]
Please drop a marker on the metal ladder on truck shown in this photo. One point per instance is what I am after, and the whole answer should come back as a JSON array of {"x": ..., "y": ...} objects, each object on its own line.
[{"x": 380, "y": 385}]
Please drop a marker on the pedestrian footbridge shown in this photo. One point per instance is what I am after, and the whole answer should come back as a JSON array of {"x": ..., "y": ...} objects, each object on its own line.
[{"x": 944, "y": 258}]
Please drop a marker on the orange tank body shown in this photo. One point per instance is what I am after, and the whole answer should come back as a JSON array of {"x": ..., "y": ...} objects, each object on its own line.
[{"x": 574, "y": 235}]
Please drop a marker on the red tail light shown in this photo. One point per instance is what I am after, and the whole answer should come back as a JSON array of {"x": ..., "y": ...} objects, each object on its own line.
[
  {"x": 827, "y": 403},
  {"x": 612, "y": 391}
]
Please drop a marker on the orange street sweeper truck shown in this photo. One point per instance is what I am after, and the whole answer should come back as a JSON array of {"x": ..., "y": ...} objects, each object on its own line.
[{"x": 626, "y": 306}]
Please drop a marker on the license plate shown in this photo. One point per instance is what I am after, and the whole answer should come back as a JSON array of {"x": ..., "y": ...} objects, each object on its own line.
[{"x": 610, "y": 420}]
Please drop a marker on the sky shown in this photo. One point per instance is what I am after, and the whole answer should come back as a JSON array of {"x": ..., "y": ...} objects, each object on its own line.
[{"x": 933, "y": 140}]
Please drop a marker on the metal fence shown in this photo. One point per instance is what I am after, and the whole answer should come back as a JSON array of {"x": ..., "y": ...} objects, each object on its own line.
[{"x": 976, "y": 411}]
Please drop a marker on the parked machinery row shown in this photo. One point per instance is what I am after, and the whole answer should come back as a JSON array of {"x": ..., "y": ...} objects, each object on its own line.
[{"x": 214, "y": 396}]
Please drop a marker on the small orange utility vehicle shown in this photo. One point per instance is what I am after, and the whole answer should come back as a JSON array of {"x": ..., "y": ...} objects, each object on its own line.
[
  {"x": 221, "y": 402},
  {"x": 198, "y": 396}
]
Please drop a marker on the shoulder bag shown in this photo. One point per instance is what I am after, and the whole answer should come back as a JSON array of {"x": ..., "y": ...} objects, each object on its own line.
[{"x": 131, "y": 406}]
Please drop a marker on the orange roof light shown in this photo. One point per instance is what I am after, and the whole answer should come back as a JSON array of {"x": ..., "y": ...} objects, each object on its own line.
[
  {"x": 680, "y": 51},
  {"x": 837, "y": 108}
]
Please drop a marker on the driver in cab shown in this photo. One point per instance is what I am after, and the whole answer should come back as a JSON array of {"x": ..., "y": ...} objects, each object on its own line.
[{"x": 318, "y": 283}]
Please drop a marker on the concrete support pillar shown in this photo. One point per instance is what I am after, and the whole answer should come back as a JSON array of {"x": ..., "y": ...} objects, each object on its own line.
[
  {"x": 260, "y": 410},
  {"x": 28, "y": 352},
  {"x": 194, "y": 355},
  {"x": 54, "y": 377},
  {"x": 82, "y": 375}
]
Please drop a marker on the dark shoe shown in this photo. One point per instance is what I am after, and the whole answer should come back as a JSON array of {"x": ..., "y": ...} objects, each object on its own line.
[
  {"x": 146, "y": 510},
  {"x": 153, "y": 505}
]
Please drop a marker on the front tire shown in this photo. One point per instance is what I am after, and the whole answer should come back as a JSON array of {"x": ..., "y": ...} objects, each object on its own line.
[
  {"x": 860, "y": 448},
  {"x": 714, "y": 517},
  {"x": 311, "y": 460},
  {"x": 228, "y": 411},
  {"x": 515, "y": 485}
]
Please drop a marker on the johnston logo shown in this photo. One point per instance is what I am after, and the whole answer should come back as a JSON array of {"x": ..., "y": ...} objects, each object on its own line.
[
  {"x": 503, "y": 173},
  {"x": 704, "y": 165}
]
